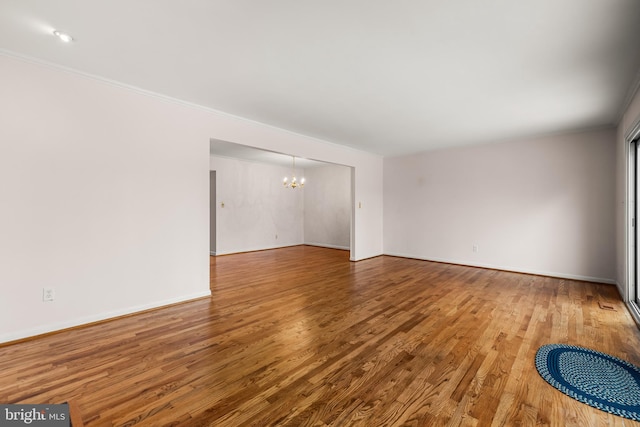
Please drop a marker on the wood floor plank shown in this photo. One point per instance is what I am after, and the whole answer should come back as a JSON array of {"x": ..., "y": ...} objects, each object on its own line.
[{"x": 302, "y": 336}]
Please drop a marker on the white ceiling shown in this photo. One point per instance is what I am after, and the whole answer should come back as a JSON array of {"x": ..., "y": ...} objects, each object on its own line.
[{"x": 389, "y": 77}]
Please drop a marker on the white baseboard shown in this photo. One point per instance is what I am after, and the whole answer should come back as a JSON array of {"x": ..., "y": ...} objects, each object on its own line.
[
  {"x": 513, "y": 269},
  {"x": 326, "y": 245},
  {"x": 17, "y": 335},
  {"x": 255, "y": 249},
  {"x": 622, "y": 291}
]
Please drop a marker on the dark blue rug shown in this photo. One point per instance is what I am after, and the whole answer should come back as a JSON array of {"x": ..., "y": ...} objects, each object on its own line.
[{"x": 597, "y": 379}]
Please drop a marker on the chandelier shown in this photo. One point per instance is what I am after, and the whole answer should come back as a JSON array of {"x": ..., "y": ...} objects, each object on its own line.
[{"x": 294, "y": 183}]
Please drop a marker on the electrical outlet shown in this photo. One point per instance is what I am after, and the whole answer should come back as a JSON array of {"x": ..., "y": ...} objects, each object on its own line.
[
  {"x": 276, "y": 237},
  {"x": 475, "y": 248},
  {"x": 48, "y": 294}
]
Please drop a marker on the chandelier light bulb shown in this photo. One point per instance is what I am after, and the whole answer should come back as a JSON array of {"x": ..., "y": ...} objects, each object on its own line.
[{"x": 294, "y": 181}]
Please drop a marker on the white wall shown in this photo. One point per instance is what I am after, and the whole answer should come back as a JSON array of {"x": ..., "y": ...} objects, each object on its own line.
[
  {"x": 212, "y": 212},
  {"x": 366, "y": 186},
  {"x": 259, "y": 212},
  {"x": 629, "y": 119},
  {"x": 105, "y": 196},
  {"x": 541, "y": 206},
  {"x": 327, "y": 206}
]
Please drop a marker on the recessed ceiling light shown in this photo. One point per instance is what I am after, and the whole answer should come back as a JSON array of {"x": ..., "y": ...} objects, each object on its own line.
[{"x": 62, "y": 36}]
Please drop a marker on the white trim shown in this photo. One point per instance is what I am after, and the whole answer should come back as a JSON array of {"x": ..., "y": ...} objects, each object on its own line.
[
  {"x": 98, "y": 317},
  {"x": 512, "y": 269},
  {"x": 326, "y": 245},
  {"x": 634, "y": 132},
  {"x": 212, "y": 253},
  {"x": 256, "y": 249},
  {"x": 621, "y": 291},
  {"x": 626, "y": 294},
  {"x": 629, "y": 294},
  {"x": 368, "y": 257},
  {"x": 634, "y": 310}
]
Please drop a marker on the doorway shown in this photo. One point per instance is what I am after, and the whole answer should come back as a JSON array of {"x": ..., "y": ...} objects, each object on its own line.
[{"x": 237, "y": 163}]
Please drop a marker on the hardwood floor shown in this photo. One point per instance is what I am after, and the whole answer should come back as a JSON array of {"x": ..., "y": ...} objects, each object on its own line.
[{"x": 301, "y": 336}]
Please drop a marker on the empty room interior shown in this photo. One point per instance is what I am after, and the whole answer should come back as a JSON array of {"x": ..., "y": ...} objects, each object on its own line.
[{"x": 233, "y": 213}]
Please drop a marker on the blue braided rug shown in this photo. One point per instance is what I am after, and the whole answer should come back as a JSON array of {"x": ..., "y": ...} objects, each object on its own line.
[{"x": 597, "y": 379}]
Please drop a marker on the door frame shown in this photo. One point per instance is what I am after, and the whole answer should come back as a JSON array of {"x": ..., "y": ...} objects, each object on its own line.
[{"x": 632, "y": 293}]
